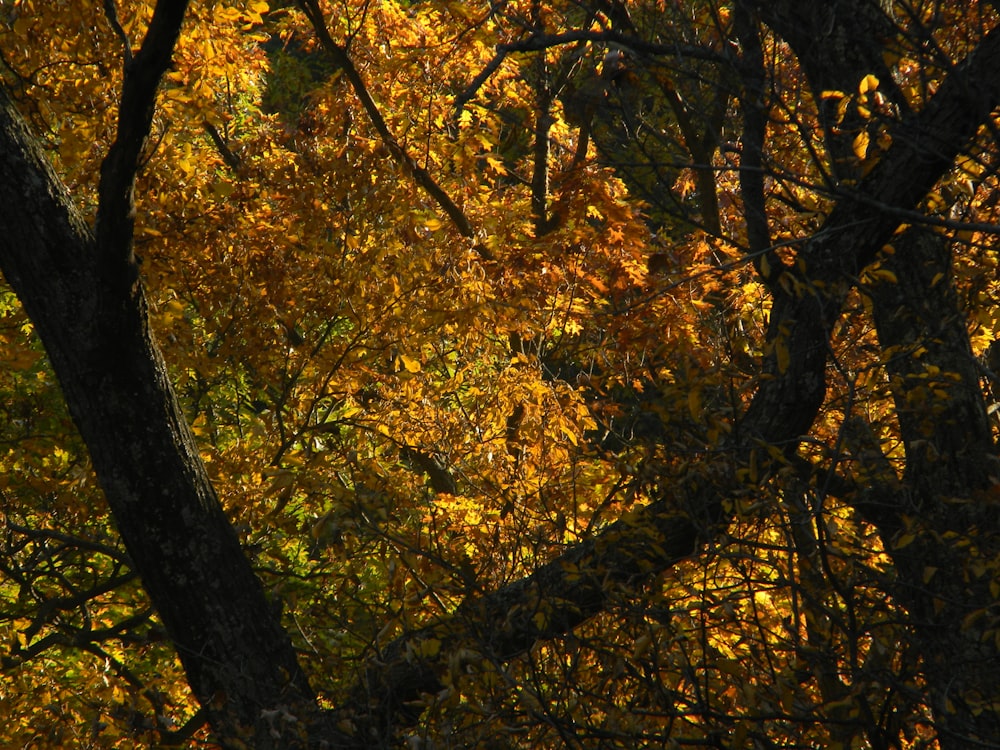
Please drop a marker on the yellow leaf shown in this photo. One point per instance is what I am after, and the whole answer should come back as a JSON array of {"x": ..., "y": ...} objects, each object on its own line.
[
  {"x": 172, "y": 310},
  {"x": 22, "y": 25},
  {"x": 884, "y": 274},
  {"x": 496, "y": 165},
  {"x": 969, "y": 166},
  {"x": 868, "y": 83},
  {"x": 642, "y": 645},
  {"x": 880, "y": 275},
  {"x": 861, "y": 145},
  {"x": 428, "y": 649},
  {"x": 569, "y": 434},
  {"x": 765, "y": 267},
  {"x": 411, "y": 364}
]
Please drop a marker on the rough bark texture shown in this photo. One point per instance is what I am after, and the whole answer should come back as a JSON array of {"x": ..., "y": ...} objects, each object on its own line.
[
  {"x": 239, "y": 661},
  {"x": 950, "y": 460},
  {"x": 86, "y": 302},
  {"x": 950, "y": 456}
]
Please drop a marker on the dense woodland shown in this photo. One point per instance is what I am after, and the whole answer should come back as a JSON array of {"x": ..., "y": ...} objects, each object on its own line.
[{"x": 511, "y": 374}]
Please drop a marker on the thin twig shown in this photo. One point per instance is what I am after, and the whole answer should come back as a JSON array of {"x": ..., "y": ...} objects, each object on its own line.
[
  {"x": 538, "y": 42},
  {"x": 341, "y": 60}
]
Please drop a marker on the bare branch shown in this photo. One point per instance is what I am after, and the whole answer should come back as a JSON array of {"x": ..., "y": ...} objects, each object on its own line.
[
  {"x": 68, "y": 539},
  {"x": 233, "y": 161},
  {"x": 484, "y": 75}
]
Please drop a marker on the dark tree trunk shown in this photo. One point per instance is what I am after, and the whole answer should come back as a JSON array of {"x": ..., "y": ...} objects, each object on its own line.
[
  {"x": 932, "y": 524},
  {"x": 90, "y": 314},
  {"x": 84, "y": 297},
  {"x": 950, "y": 461}
]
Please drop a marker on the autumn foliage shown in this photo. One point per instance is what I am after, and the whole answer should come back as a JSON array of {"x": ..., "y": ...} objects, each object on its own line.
[{"x": 606, "y": 374}]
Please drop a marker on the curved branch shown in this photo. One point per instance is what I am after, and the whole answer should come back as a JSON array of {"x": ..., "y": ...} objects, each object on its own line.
[
  {"x": 751, "y": 71},
  {"x": 568, "y": 591}
]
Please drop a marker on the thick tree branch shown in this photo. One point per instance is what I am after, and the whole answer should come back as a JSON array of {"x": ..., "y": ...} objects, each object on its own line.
[
  {"x": 571, "y": 589},
  {"x": 947, "y": 436},
  {"x": 751, "y": 71},
  {"x": 233, "y": 161},
  {"x": 540, "y": 151},
  {"x": 111, "y": 12},
  {"x": 116, "y": 207},
  {"x": 505, "y": 624},
  {"x": 437, "y": 472},
  {"x": 837, "y": 46},
  {"x": 469, "y": 93},
  {"x": 238, "y": 659}
]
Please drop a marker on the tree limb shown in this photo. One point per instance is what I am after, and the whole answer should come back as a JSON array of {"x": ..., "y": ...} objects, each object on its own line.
[
  {"x": 116, "y": 206},
  {"x": 752, "y": 98},
  {"x": 482, "y": 77},
  {"x": 88, "y": 307},
  {"x": 576, "y": 586}
]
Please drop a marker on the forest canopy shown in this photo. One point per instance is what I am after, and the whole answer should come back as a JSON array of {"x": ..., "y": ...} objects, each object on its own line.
[{"x": 521, "y": 374}]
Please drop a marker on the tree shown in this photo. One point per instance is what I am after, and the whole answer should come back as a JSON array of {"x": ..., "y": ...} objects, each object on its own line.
[{"x": 496, "y": 464}]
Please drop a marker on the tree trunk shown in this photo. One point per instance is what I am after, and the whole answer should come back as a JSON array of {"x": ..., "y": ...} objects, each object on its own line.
[
  {"x": 932, "y": 524},
  {"x": 239, "y": 661},
  {"x": 942, "y": 554}
]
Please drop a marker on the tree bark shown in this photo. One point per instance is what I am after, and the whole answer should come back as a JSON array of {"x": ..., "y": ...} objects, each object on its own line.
[
  {"x": 950, "y": 464},
  {"x": 90, "y": 312},
  {"x": 950, "y": 456},
  {"x": 240, "y": 663}
]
